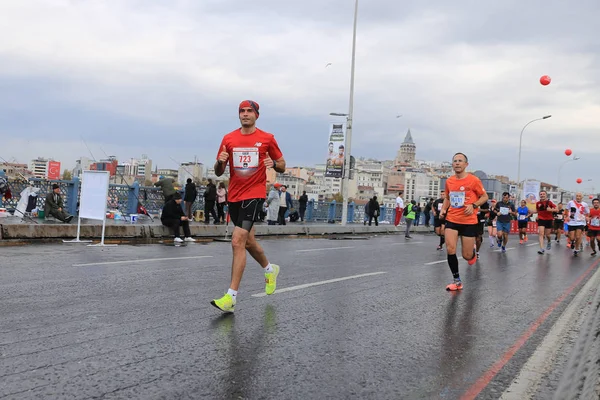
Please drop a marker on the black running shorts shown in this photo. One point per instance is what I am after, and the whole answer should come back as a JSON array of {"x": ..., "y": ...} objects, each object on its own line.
[
  {"x": 522, "y": 224},
  {"x": 244, "y": 213},
  {"x": 466, "y": 230},
  {"x": 573, "y": 228},
  {"x": 558, "y": 225},
  {"x": 592, "y": 233},
  {"x": 480, "y": 228},
  {"x": 437, "y": 223},
  {"x": 546, "y": 223}
]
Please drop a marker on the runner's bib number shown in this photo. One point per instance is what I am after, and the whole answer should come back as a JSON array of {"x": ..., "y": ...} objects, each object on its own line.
[
  {"x": 595, "y": 222},
  {"x": 522, "y": 217},
  {"x": 245, "y": 157},
  {"x": 559, "y": 217},
  {"x": 504, "y": 210},
  {"x": 457, "y": 199},
  {"x": 440, "y": 206}
]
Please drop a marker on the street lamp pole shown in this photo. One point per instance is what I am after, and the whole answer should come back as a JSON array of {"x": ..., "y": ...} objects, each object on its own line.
[
  {"x": 520, "y": 144},
  {"x": 348, "y": 138},
  {"x": 575, "y": 158}
]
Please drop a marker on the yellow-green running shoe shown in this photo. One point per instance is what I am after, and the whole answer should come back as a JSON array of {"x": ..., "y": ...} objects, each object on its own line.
[
  {"x": 271, "y": 279},
  {"x": 225, "y": 303}
]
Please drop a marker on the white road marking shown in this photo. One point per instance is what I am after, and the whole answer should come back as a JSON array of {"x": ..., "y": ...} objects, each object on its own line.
[
  {"x": 307, "y": 285},
  {"x": 541, "y": 362},
  {"x": 139, "y": 261},
  {"x": 508, "y": 248},
  {"x": 407, "y": 242},
  {"x": 532, "y": 244},
  {"x": 441, "y": 261},
  {"x": 325, "y": 248}
]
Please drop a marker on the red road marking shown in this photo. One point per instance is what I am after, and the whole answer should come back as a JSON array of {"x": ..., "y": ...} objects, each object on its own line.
[{"x": 487, "y": 377}]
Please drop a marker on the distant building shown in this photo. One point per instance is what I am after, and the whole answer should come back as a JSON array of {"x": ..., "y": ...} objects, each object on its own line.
[
  {"x": 39, "y": 167},
  {"x": 83, "y": 164},
  {"x": 110, "y": 164},
  {"x": 407, "y": 152},
  {"x": 15, "y": 170},
  {"x": 45, "y": 168},
  {"x": 167, "y": 173},
  {"x": 193, "y": 171}
]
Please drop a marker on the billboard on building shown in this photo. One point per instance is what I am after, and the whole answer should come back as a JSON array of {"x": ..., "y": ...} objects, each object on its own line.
[
  {"x": 335, "y": 150},
  {"x": 53, "y": 170},
  {"x": 531, "y": 191}
]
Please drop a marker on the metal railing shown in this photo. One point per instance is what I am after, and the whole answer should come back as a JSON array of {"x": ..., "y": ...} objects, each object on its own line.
[{"x": 126, "y": 198}]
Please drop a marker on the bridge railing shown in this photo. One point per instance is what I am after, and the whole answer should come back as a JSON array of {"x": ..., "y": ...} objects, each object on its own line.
[{"x": 125, "y": 199}]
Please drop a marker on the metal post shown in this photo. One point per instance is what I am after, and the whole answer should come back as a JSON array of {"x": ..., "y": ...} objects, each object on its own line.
[
  {"x": 519, "y": 190},
  {"x": 348, "y": 138}
]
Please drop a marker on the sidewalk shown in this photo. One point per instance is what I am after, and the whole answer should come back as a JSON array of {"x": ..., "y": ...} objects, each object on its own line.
[{"x": 12, "y": 228}]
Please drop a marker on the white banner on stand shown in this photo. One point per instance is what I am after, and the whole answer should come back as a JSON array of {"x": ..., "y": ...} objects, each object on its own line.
[{"x": 92, "y": 201}]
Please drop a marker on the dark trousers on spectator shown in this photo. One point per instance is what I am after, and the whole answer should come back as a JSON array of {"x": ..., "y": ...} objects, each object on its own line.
[
  {"x": 376, "y": 220},
  {"x": 221, "y": 211},
  {"x": 281, "y": 218},
  {"x": 302, "y": 211},
  {"x": 409, "y": 223},
  {"x": 427, "y": 216},
  {"x": 209, "y": 209},
  {"x": 188, "y": 209},
  {"x": 174, "y": 225}
]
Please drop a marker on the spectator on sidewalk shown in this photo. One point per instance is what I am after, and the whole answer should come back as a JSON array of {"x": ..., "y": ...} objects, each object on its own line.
[
  {"x": 55, "y": 206},
  {"x": 302, "y": 201},
  {"x": 273, "y": 204},
  {"x": 189, "y": 197},
  {"x": 210, "y": 197},
  {"x": 285, "y": 203},
  {"x": 427, "y": 212},
  {"x": 221, "y": 202},
  {"x": 173, "y": 217},
  {"x": 167, "y": 186},
  {"x": 417, "y": 210},
  {"x": 399, "y": 209},
  {"x": 374, "y": 210},
  {"x": 409, "y": 217}
]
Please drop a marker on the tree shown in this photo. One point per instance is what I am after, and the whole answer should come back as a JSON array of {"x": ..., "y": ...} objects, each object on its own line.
[
  {"x": 338, "y": 197},
  {"x": 67, "y": 176}
]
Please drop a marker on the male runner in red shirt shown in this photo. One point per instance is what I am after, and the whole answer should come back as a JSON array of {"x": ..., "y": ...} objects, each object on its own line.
[
  {"x": 545, "y": 219},
  {"x": 249, "y": 151},
  {"x": 594, "y": 225}
]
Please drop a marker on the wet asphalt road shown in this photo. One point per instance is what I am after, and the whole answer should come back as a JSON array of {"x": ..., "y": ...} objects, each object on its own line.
[{"x": 146, "y": 330}]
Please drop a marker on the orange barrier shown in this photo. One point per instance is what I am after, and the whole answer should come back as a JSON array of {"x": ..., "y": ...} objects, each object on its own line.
[{"x": 532, "y": 227}]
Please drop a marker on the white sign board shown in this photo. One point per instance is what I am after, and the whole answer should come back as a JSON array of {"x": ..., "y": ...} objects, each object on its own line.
[{"x": 94, "y": 192}]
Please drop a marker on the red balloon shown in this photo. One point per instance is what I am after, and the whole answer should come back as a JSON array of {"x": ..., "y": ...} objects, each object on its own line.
[
  {"x": 591, "y": 197},
  {"x": 545, "y": 80},
  {"x": 568, "y": 152},
  {"x": 579, "y": 180}
]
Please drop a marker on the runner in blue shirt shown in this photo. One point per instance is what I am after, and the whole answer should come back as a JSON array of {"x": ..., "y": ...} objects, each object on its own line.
[{"x": 523, "y": 215}]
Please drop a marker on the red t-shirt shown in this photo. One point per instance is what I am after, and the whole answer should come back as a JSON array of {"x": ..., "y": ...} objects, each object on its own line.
[
  {"x": 248, "y": 174},
  {"x": 460, "y": 193},
  {"x": 594, "y": 224},
  {"x": 544, "y": 214}
]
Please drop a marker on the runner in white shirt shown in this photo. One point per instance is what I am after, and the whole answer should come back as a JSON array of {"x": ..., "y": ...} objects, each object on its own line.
[
  {"x": 578, "y": 211},
  {"x": 399, "y": 209}
]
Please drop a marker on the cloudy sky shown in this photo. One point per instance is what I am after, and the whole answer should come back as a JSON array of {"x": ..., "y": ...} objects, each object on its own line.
[{"x": 164, "y": 78}]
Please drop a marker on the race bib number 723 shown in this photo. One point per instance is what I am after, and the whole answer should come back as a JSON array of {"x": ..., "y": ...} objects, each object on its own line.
[{"x": 245, "y": 157}]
